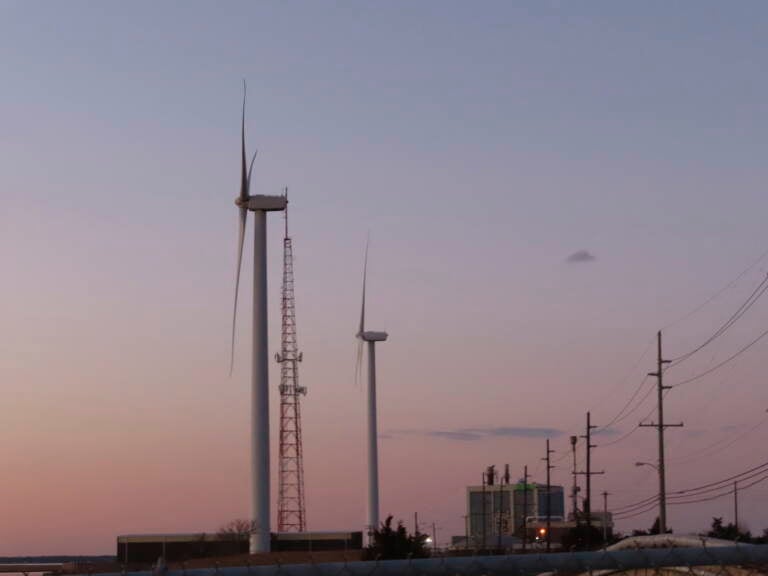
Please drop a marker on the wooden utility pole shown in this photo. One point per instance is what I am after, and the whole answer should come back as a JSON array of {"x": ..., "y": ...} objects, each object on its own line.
[
  {"x": 660, "y": 426},
  {"x": 500, "y": 512},
  {"x": 587, "y": 502},
  {"x": 605, "y": 518},
  {"x": 482, "y": 546},
  {"x": 575, "y": 488},
  {"x": 549, "y": 497},
  {"x": 525, "y": 508},
  {"x": 736, "y": 505}
]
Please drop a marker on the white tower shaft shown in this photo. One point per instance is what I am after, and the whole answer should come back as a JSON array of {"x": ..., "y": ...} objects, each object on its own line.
[
  {"x": 373, "y": 443},
  {"x": 260, "y": 537}
]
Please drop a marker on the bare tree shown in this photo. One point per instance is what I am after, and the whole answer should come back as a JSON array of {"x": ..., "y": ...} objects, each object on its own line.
[{"x": 238, "y": 529}]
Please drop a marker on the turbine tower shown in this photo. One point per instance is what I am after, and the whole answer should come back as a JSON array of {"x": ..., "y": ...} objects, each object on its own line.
[
  {"x": 373, "y": 442},
  {"x": 291, "y": 514},
  {"x": 259, "y": 205}
]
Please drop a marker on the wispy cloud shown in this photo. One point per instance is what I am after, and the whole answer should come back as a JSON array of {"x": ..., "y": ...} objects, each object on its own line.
[
  {"x": 581, "y": 256},
  {"x": 606, "y": 432},
  {"x": 474, "y": 434}
]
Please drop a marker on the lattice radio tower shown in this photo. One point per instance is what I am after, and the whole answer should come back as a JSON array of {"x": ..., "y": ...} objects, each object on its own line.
[{"x": 291, "y": 514}]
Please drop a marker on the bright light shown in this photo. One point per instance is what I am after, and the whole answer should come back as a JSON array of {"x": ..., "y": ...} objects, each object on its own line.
[
  {"x": 428, "y": 540},
  {"x": 542, "y": 532}
]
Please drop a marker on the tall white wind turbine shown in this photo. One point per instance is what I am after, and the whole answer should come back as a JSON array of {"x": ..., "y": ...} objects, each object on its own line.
[
  {"x": 373, "y": 442},
  {"x": 259, "y": 205}
]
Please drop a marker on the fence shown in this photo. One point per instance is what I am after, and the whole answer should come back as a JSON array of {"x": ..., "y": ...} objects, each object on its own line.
[{"x": 751, "y": 556}]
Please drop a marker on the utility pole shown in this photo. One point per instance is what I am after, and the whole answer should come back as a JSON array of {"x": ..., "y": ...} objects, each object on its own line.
[
  {"x": 736, "y": 505},
  {"x": 660, "y": 426},
  {"x": 525, "y": 507},
  {"x": 500, "y": 512},
  {"x": 605, "y": 518},
  {"x": 482, "y": 546},
  {"x": 415, "y": 522},
  {"x": 587, "y": 502},
  {"x": 504, "y": 481},
  {"x": 575, "y": 489},
  {"x": 434, "y": 537},
  {"x": 549, "y": 497},
  {"x": 488, "y": 480}
]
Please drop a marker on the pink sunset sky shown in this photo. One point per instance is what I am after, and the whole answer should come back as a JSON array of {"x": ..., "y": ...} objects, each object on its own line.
[{"x": 481, "y": 144}]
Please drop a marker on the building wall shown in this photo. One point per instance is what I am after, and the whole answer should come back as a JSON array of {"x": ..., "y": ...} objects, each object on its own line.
[{"x": 505, "y": 507}]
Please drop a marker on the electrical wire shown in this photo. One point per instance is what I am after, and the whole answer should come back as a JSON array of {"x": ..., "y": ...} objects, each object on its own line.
[
  {"x": 745, "y": 306},
  {"x": 763, "y": 476},
  {"x": 636, "y": 428},
  {"x": 638, "y": 504},
  {"x": 724, "y": 362},
  {"x": 625, "y": 379},
  {"x": 682, "y": 495},
  {"x": 723, "y": 481},
  {"x": 728, "y": 492},
  {"x": 631, "y": 514},
  {"x": 719, "y": 292},
  {"x": 624, "y": 437},
  {"x": 618, "y": 417},
  {"x": 706, "y": 451}
]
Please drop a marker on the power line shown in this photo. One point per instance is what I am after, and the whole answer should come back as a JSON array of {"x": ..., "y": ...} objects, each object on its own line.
[
  {"x": 639, "y": 504},
  {"x": 696, "y": 490},
  {"x": 618, "y": 417},
  {"x": 723, "y": 481},
  {"x": 638, "y": 513},
  {"x": 724, "y": 362},
  {"x": 719, "y": 292},
  {"x": 626, "y": 377},
  {"x": 643, "y": 419},
  {"x": 728, "y": 492},
  {"x": 745, "y": 306},
  {"x": 637, "y": 406},
  {"x": 730, "y": 442},
  {"x": 624, "y": 437}
]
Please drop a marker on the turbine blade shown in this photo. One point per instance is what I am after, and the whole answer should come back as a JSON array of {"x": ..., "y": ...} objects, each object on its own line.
[
  {"x": 240, "y": 242},
  {"x": 248, "y": 179},
  {"x": 244, "y": 172},
  {"x": 362, "y": 307}
]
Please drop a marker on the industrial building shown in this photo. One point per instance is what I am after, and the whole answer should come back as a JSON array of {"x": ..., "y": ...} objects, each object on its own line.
[
  {"x": 147, "y": 548},
  {"x": 506, "y": 509}
]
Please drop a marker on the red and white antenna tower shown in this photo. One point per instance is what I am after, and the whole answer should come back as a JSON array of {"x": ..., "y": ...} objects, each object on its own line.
[{"x": 291, "y": 514}]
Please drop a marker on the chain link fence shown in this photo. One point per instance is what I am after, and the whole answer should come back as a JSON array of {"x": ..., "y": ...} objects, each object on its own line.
[{"x": 734, "y": 560}]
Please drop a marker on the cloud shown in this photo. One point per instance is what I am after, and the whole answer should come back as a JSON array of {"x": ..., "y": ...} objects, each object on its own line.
[
  {"x": 606, "y": 432},
  {"x": 474, "y": 434},
  {"x": 581, "y": 256}
]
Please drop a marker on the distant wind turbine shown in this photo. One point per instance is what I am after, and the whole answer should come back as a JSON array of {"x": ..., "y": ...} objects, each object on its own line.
[
  {"x": 373, "y": 442},
  {"x": 259, "y": 205}
]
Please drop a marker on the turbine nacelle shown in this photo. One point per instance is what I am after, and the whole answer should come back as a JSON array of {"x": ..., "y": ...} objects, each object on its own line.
[
  {"x": 262, "y": 202},
  {"x": 372, "y": 336}
]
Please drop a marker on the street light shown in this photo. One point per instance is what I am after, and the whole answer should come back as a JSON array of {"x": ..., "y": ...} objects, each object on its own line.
[{"x": 647, "y": 464}]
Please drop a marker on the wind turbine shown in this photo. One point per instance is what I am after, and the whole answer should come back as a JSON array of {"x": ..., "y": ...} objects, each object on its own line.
[
  {"x": 371, "y": 338},
  {"x": 259, "y": 205}
]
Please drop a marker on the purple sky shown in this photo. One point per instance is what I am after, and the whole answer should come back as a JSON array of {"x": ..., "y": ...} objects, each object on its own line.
[{"x": 546, "y": 185}]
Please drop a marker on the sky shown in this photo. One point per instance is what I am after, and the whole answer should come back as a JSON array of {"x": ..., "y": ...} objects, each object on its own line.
[{"x": 546, "y": 185}]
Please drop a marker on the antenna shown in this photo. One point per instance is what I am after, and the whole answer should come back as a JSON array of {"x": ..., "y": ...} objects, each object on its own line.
[{"x": 291, "y": 511}]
